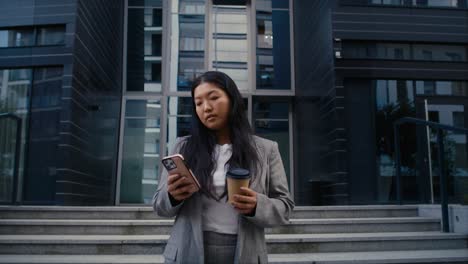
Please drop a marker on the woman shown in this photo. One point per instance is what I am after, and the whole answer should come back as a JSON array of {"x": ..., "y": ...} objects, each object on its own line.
[{"x": 207, "y": 228}]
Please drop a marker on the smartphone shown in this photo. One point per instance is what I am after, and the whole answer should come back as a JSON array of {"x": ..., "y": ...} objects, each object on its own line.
[{"x": 175, "y": 164}]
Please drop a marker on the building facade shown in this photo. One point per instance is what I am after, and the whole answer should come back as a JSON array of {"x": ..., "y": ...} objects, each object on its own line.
[{"x": 102, "y": 89}]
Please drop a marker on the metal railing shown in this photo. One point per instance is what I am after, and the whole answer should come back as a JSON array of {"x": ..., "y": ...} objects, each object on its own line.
[
  {"x": 442, "y": 171},
  {"x": 17, "y": 150}
]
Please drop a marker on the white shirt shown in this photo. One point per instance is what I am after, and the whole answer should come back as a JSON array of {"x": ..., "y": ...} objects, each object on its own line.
[{"x": 220, "y": 216}]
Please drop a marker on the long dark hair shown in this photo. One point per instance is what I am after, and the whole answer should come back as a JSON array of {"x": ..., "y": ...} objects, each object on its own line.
[{"x": 198, "y": 148}]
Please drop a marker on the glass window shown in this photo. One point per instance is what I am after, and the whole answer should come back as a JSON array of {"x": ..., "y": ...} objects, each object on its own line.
[
  {"x": 144, "y": 49},
  {"x": 3, "y": 38},
  {"x": 458, "y": 119},
  {"x": 422, "y": 3},
  {"x": 392, "y": 2},
  {"x": 460, "y": 88},
  {"x": 153, "y": 17},
  {"x": 17, "y": 37},
  {"x": 230, "y": 46},
  {"x": 51, "y": 35},
  {"x": 156, "y": 3},
  {"x": 191, "y": 50},
  {"x": 273, "y": 47},
  {"x": 402, "y": 51},
  {"x": 438, "y": 3},
  {"x": 140, "y": 161},
  {"x": 153, "y": 42},
  {"x": 439, "y": 52},
  {"x": 152, "y": 76},
  {"x": 153, "y": 71},
  {"x": 24, "y": 37},
  {"x": 192, "y": 7},
  {"x": 448, "y": 88}
]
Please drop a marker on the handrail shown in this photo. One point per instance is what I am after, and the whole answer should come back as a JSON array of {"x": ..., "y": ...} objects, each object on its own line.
[
  {"x": 17, "y": 150},
  {"x": 440, "y": 146}
]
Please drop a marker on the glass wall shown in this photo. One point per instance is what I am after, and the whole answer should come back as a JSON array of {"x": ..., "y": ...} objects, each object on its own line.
[
  {"x": 446, "y": 103},
  {"x": 461, "y": 4},
  {"x": 422, "y": 3},
  {"x": 15, "y": 87},
  {"x": 44, "y": 136},
  {"x": 404, "y": 51},
  {"x": 188, "y": 34},
  {"x": 32, "y": 36},
  {"x": 394, "y": 100},
  {"x": 140, "y": 151},
  {"x": 273, "y": 45},
  {"x": 34, "y": 97},
  {"x": 271, "y": 120},
  {"x": 229, "y": 48},
  {"x": 179, "y": 113},
  {"x": 144, "y": 52},
  {"x": 203, "y": 35}
]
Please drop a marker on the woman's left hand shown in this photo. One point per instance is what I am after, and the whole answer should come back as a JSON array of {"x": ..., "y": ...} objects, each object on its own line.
[{"x": 245, "y": 203}]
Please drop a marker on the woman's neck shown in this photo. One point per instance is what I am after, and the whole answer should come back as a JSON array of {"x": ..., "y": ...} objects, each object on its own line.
[{"x": 222, "y": 137}]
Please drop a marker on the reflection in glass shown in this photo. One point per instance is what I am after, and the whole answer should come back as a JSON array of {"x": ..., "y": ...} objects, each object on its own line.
[
  {"x": 140, "y": 157},
  {"x": 191, "y": 49},
  {"x": 448, "y": 88},
  {"x": 179, "y": 114},
  {"x": 153, "y": 17},
  {"x": 192, "y": 7},
  {"x": 404, "y": 51},
  {"x": 152, "y": 73},
  {"x": 51, "y": 35},
  {"x": 395, "y": 99},
  {"x": 25, "y": 37},
  {"x": 230, "y": 46},
  {"x": 273, "y": 52},
  {"x": 157, "y": 3},
  {"x": 455, "y": 150},
  {"x": 271, "y": 120},
  {"x": 17, "y": 37},
  {"x": 15, "y": 88},
  {"x": 41, "y": 177},
  {"x": 153, "y": 43},
  {"x": 144, "y": 49},
  {"x": 423, "y": 3}
]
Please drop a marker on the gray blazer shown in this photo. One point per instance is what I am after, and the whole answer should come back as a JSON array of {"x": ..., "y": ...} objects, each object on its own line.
[{"x": 274, "y": 206}]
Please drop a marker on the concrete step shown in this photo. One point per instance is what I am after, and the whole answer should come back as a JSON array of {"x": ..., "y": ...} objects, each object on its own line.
[
  {"x": 378, "y": 257},
  {"x": 163, "y": 226},
  {"x": 277, "y": 243},
  {"x": 357, "y": 225},
  {"x": 146, "y": 212},
  {"x": 450, "y": 256},
  {"x": 355, "y": 211}
]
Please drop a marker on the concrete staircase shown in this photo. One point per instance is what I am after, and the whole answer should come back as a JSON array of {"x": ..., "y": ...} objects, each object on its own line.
[{"x": 334, "y": 234}]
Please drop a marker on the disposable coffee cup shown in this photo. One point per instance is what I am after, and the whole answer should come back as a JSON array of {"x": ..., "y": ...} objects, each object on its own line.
[{"x": 236, "y": 178}]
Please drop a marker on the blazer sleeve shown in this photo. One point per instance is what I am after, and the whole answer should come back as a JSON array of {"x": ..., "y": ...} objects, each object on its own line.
[
  {"x": 275, "y": 208},
  {"x": 161, "y": 201}
]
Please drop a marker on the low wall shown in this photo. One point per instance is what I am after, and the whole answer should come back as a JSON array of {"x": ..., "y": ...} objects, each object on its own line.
[{"x": 458, "y": 215}]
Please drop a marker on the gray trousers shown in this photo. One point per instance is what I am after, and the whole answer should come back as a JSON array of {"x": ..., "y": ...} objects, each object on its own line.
[{"x": 219, "y": 248}]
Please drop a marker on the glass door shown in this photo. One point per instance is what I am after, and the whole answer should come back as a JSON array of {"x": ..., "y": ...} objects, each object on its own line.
[
  {"x": 450, "y": 111},
  {"x": 140, "y": 150},
  {"x": 15, "y": 89}
]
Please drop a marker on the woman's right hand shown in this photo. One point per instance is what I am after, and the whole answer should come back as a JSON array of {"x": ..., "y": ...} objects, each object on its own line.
[{"x": 179, "y": 187}]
